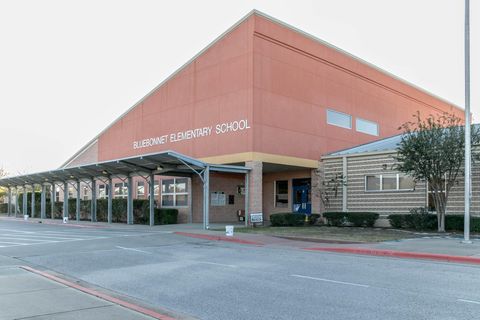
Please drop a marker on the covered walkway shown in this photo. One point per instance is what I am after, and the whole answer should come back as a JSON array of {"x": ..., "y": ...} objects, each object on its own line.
[{"x": 169, "y": 163}]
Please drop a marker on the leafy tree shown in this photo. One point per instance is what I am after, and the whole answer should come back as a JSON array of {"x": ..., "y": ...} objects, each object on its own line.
[
  {"x": 433, "y": 150},
  {"x": 3, "y": 191}
]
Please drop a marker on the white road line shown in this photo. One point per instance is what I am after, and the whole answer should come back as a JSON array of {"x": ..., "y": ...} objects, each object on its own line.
[
  {"x": 217, "y": 264},
  {"x": 14, "y": 243},
  {"x": 36, "y": 236},
  {"x": 133, "y": 249},
  {"x": 469, "y": 301},
  {"x": 332, "y": 281},
  {"x": 26, "y": 239}
]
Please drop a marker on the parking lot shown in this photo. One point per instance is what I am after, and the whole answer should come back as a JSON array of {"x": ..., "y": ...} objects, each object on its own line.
[{"x": 206, "y": 279}]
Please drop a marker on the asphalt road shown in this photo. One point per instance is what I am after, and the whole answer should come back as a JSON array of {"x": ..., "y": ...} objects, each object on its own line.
[{"x": 219, "y": 280}]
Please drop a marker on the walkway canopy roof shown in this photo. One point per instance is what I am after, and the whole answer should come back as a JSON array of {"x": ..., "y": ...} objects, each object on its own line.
[{"x": 169, "y": 163}]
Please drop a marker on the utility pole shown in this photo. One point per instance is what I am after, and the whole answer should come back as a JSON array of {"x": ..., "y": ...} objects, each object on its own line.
[{"x": 468, "y": 158}]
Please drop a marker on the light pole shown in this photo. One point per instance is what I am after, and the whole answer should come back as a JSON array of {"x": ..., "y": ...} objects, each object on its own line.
[{"x": 468, "y": 160}]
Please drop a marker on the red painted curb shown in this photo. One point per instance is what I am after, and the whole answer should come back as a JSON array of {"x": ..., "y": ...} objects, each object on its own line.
[
  {"x": 100, "y": 295},
  {"x": 218, "y": 238},
  {"x": 401, "y": 254}
]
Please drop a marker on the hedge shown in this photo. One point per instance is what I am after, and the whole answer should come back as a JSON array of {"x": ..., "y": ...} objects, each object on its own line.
[
  {"x": 287, "y": 219},
  {"x": 429, "y": 222},
  {"x": 141, "y": 211},
  {"x": 357, "y": 219}
]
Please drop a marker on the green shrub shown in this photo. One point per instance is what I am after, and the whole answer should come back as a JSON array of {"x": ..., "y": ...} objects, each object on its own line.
[
  {"x": 336, "y": 219},
  {"x": 4, "y": 207},
  {"x": 455, "y": 222},
  {"x": 166, "y": 216},
  {"x": 362, "y": 219},
  {"x": 277, "y": 219},
  {"x": 420, "y": 219},
  {"x": 397, "y": 221},
  {"x": 313, "y": 218},
  {"x": 287, "y": 219}
]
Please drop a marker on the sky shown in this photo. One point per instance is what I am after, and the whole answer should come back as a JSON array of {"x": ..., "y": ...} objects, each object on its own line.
[{"x": 69, "y": 68}]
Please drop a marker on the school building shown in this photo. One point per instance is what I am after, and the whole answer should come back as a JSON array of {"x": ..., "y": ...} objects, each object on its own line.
[{"x": 240, "y": 128}]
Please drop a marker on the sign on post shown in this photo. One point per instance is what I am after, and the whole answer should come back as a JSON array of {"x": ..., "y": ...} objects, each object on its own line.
[{"x": 256, "y": 217}]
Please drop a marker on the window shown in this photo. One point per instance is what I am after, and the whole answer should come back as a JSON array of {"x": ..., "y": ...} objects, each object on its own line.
[
  {"x": 140, "y": 189},
  {"x": 339, "y": 119},
  {"x": 389, "y": 182},
  {"x": 365, "y": 126},
  {"x": 70, "y": 192},
  {"x": 121, "y": 190},
  {"x": 156, "y": 188},
  {"x": 102, "y": 191},
  {"x": 373, "y": 183},
  {"x": 281, "y": 194},
  {"x": 57, "y": 194},
  {"x": 85, "y": 193},
  {"x": 175, "y": 192}
]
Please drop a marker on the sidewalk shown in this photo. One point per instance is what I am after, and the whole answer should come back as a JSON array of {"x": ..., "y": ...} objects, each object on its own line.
[{"x": 24, "y": 294}]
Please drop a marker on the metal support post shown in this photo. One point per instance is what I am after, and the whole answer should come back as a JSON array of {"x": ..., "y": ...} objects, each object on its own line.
[
  {"x": 94, "y": 201},
  {"x": 9, "y": 209},
  {"x": 468, "y": 159},
  {"x": 247, "y": 197},
  {"x": 33, "y": 201},
  {"x": 25, "y": 208},
  {"x": 65, "y": 200},
  {"x": 43, "y": 202},
  {"x": 52, "y": 201},
  {"x": 16, "y": 201},
  {"x": 77, "y": 202},
  {"x": 129, "y": 201},
  {"x": 151, "y": 189},
  {"x": 206, "y": 197},
  {"x": 110, "y": 200}
]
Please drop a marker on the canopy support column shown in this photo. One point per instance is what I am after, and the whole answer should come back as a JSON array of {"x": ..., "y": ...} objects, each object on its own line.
[
  {"x": 247, "y": 198},
  {"x": 77, "y": 204},
  {"x": 65, "y": 200},
  {"x": 25, "y": 208},
  {"x": 16, "y": 201},
  {"x": 9, "y": 208},
  {"x": 129, "y": 201},
  {"x": 33, "y": 201},
  {"x": 151, "y": 190},
  {"x": 52, "y": 201},
  {"x": 93, "y": 207},
  {"x": 206, "y": 197},
  {"x": 110, "y": 199},
  {"x": 43, "y": 202}
]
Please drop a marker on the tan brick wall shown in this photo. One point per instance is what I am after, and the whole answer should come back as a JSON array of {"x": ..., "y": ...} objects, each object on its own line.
[
  {"x": 219, "y": 182},
  {"x": 255, "y": 186}
]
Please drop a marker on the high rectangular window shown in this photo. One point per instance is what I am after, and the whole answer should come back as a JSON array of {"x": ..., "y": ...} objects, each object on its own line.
[
  {"x": 121, "y": 190},
  {"x": 339, "y": 119},
  {"x": 365, "y": 126},
  {"x": 281, "y": 194},
  {"x": 389, "y": 182}
]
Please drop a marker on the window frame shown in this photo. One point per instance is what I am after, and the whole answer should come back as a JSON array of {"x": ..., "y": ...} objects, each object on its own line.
[
  {"x": 357, "y": 119},
  {"x": 342, "y": 114},
  {"x": 275, "y": 194},
  {"x": 397, "y": 178},
  {"x": 174, "y": 193}
]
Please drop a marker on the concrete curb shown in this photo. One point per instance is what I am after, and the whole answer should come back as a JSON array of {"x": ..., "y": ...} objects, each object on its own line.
[
  {"x": 100, "y": 295},
  {"x": 218, "y": 238},
  {"x": 400, "y": 254}
]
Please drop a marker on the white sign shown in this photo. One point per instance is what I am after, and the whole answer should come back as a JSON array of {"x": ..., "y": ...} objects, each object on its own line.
[
  {"x": 65, "y": 219},
  {"x": 25, "y": 217},
  {"x": 229, "y": 231},
  {"x": 217, "y": 129},
  {"x": 256, "y": 217}
]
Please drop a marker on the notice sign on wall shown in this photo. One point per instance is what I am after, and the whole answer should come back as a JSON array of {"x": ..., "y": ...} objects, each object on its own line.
[{"x": 217, "y": 129}]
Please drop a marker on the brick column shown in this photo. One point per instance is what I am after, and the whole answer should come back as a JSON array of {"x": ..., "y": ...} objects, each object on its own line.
[
  {"x": 315, "y": 192},
  {"x": 255, "y": 186}
]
